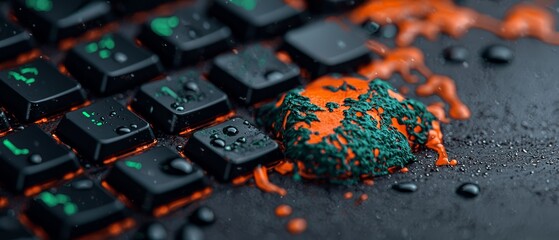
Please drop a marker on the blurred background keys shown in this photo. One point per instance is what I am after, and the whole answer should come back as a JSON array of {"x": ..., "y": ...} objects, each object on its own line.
[
  {"x": 251, "y": 19},
  {"x": 75, "y": 209},
  {"x": 53, "y": 20},
  {"x": 13, "y": 40}
]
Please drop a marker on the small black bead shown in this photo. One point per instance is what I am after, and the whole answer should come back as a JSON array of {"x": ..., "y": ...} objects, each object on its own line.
[
  {"x": 405, "y": 187},
  {"x": 499, "y": 54},
  {"x": 202, "y": 216},
  {"x": 468, "y": 190},
  {"x": 455, "y": 54}
]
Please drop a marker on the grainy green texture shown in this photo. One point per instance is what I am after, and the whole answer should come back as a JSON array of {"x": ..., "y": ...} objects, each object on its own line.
[{"x": 335, "y": 164}]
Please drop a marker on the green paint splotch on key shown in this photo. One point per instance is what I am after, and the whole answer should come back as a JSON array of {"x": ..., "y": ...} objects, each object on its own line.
[
  {"x": 135, "y": 165},
  {"x": 52, "y": 200},
  {"x": 39, "y": 5},
  {"x": 248, "y": 5},
  {"x": 164, "y": 26}
]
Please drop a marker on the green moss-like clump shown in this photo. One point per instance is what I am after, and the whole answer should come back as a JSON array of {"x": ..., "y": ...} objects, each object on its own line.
[{"x": 349, "y": 152}]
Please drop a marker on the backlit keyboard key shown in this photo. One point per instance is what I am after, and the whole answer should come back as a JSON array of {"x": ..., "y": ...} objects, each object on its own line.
[
  {"x": 111, "y": 63},
  {"x": 328, "y": 46},
  {"x": 53, "y": 20},
  {"x": 104, "y": 129},
  {"x": 13, "y": 40},
  {"x": 257, "y": 18},
  {"x": 75, "y": 209},
  {"x": 231, "y": 149},
  {"x": 155, "y": 178},
  {"x": 185, "y": 37},
  {"x": 31, "y": 158},
  {"x": 180, "y": 102},
  {"x": 254, "y": 74},
  {"x": 37, "y": 89}
]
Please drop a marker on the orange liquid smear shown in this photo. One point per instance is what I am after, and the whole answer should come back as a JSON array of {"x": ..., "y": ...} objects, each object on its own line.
[
  {"x": 348, "y": 195},
  {"x": 283, "y": 210},
  {"x": 297, "y": 226},
  {"x": 434, "y": 142},
  {"x": 238, "y": 181},
  {"x": 3, "y": 202},
  {"x": 262, "y": 181}
]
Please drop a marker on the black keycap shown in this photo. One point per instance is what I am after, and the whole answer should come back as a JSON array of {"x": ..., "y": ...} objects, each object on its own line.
[
  {"x": 254, "y": 74},
  {"x": 4, "y": 124},
  {"x": 31, "y": 158},
  {"x": 111, "y": 64},
  {"x": 72, "y": 210},
  {"x": 155, "y": 178},
  {"x": 13, "y": 40},
  {"x": 103, "y": 129},
  {"x": 185, "y": 37},
  {"x": 180, "y": 102},
  {"x": 257, "y": 18},
  {"x": 11, "y": 228},
  {"x": 333, "y": 6},
  {"x": 37, "y": 89},
  {"x": 327, "y": 46},
  {"x": 231, "y": 149},
  {"x": 132, "y": 6},
  {"x": 53, "y": 20}
]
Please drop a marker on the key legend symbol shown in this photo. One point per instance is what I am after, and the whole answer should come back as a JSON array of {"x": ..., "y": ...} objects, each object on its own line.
[
  {"x": 103, "y": 47},
  {"x": 164, "y": 26},
  {"x": 93, "y": 120},
  {"x": 39, "y": 5},
  {"x": 15, "y": 150},
  {"x": 23, "y": 74}
]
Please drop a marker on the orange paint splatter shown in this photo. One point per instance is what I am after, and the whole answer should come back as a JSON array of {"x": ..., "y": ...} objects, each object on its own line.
[
  {"x": 348, "y": 195},
  {"x": 262, "y": 181},
  {"x": 283, "y": 210},
  {"x": 297, "y": 226}
]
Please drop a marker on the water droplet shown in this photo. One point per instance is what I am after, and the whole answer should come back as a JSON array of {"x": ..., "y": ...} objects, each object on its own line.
[
  {"x": 152, "y": 231},
  {"x": 405, "y": 187},
  {"x": 242, "y": 140},
  {"x": 134, "y": 126},
  {"x": 246, "y": 122},
  {"x": 213, "y": 136},
  {"x": 179, "y": 147},
  {"x": 120, "y": 57},
  {"x": 112, "y": 114},
  {"x": 273, "y": 76},
  {"x": 456, "y": 54},
  {"x": 83, "y": 184},
  {"x": 228, "y": 148},
  {"x": 177, "y": 107},
  {"x": 499, "y": 54},
  {"x": 218, "y": 142},
  {"x": 202, "y": 216},
  {"x": 230, "y": 131},
  {"x": 35, "y": 159},
  {"x": 468, "y": 190},
  {"x": 123, "y": 130},
  {"x": 178, "y": 166},
  {"x": 191, "y": 86}
]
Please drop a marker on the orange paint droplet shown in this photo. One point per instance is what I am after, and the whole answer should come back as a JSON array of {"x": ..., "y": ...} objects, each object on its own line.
[
  {"x": 369, "y": 182},
  {"x": 284, "y": 168},
  {"x": 404, "y": 170},
  {"x": 348, "y": 195},
  {"x": 363, "y": 197},
  {"x": 240, "y": 180},
  {"x": 297, "y": 226},
  {"x": 3, "y": 202},
  {"x": 262, "y": 181},
  {"x": 283, "y": 210}
]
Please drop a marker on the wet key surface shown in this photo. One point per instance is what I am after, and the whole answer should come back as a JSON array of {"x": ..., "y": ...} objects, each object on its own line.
[
  {"x": 327, "y": 46},
  {"x": 180, "y": 102},
  {"x": 231, "y": 149},
  {"x": 75, "y": 209},
  {"x": 4, "y": 124},
  {"x": 103, "y": 129},
  {"x": 31, "y": 157},
  {"x": 53, "y": 20},
  {"x": 37, "y": 89},
  {"x": 13, "y": 40},
  {"x": 111, "y": 63},
  {"x": 257, "y": 18},
  {"x": 185, "y": 37},
  {"x": 156, "y": 177},
  {"x": 254, "y": 74}
]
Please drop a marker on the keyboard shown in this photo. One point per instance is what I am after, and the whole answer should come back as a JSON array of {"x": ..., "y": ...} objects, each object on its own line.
[{"x": 136, "y": 119}]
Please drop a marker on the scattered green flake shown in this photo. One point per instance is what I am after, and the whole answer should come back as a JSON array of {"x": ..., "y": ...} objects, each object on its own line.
[
  {"x": 48, "y": 198},
  {"x": 164, "y": 26},
  {"x": 91, "y": 47},
  {"x": 135, "y": 165},
  {"x": 331, "y": 106},
  {"x": 70, "y": 209}
]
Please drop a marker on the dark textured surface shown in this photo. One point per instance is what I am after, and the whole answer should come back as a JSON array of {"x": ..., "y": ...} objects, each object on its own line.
[{"x": 509, "y": 148}]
